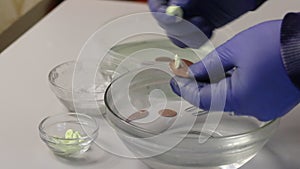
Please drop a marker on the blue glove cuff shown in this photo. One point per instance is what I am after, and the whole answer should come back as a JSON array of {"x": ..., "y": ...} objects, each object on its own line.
[{"x": 290, "y": 46}]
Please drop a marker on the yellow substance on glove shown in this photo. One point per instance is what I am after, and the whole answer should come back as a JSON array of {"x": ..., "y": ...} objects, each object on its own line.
[
  {"x": 174, "y": 10},
  {"x": 177, "y": 61}
]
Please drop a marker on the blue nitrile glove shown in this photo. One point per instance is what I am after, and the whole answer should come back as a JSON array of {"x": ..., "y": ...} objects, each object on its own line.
[
  {"x": 258, "y": 85},
  {"x": 204, "y": 14}
]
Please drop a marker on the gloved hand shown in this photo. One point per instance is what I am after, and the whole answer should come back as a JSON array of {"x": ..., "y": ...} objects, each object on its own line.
[
  {"x": 205, "y": 15},
  {"x": 258, "y": 86}
]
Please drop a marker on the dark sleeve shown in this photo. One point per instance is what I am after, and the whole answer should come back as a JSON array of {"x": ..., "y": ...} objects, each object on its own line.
[
  {"x": 258, "y": 3},
  {"x": 290, "y": 46}
]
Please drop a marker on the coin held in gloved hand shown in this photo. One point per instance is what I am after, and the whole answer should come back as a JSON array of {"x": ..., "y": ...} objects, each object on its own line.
[{"x": 180, "y": 67}]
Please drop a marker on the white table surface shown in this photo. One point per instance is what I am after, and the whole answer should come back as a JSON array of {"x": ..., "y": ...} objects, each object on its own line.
[{"x": 25, "y": 97}]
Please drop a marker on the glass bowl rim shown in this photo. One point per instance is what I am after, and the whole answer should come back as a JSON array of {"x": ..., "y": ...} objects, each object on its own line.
[
  {"x": 115, "y": 53},
  {"x": 51, "y": 72},
  {"x": 61, "y": 87}
]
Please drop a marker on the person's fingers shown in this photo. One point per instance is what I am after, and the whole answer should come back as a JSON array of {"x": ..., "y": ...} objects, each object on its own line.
[
  {"x": 187, "y": 88},
  {"x": 204, "y": 26},
  {"x": 157, "y": 5},
  {"x": 214, "y": 97},
  {"x": 217, "y": 96},
  {"x": 180, "y": 3},
  {"x": 214, "y": 66},
  {"x": 158, "y": 9},
  {"x": 178, "y": 41},
  {"x": 175, "y": 84},
  {"x": 191, "y": 33},
  {"x": 185, "y": 5}
]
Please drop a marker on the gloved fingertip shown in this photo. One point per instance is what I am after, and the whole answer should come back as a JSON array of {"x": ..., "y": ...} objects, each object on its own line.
[
  {"x": 174, "y": 10},
  {"x": 206, "y": 27},
  {"x": 162, "y": 9},
  {"x": 157, "y": 6},
  {"x": 178, "y": 42},
  {"x": 199, "y": 72},
  {"x": 179, "y": 3},
  {"x": 175, "y": 87},
  {"x": 163, "y": 18},
  {"x": 184, "y": 42}
]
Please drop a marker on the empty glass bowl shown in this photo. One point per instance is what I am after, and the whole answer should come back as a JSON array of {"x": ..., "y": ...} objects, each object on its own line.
[
  {"x": 187, "y": 140},
  {"x": 88, "y": 98},
  {"x": 68, "y": 135}
]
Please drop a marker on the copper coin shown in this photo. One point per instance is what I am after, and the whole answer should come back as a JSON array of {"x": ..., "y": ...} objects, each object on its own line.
[
  {"x": 163, "y": 59},
  {"x": 182, "y": 71},
  {"x": 167, "y": 113},
  {"x": 187, "y": 62},
  {"x": 137, "y": 115}
]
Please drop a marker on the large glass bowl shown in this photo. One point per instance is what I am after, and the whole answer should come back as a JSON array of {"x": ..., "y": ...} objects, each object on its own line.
[
  {"x": 137, "y": 52},
  {"x": 186, "y": 141}
]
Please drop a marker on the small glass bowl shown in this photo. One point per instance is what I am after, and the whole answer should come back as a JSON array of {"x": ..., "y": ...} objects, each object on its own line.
[
  {"x": 88, "y": 98},
  {"x": 81, "y": 129}
]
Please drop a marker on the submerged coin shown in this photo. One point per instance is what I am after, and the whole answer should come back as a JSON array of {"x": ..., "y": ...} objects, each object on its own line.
[
  {"x": 163, "y": 59},
  {"x": 167, "y": 113},
  {"x": 137, "y": 115}
]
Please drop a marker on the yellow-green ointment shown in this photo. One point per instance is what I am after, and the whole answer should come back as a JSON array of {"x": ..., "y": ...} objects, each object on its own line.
[
  {"x": 70, "y": 134},
  {"x": 177, "y": 61},
  {"x": 174, "y": 10},
  {"x": 66, "y": 146}
]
